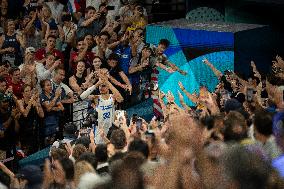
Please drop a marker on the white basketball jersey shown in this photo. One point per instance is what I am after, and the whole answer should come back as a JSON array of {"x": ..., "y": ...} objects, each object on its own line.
[{"x": 105, "y": 109}]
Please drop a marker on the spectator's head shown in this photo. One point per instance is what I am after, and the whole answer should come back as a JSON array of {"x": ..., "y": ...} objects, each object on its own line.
[
  {"x": 78, "y": 150},
  {"x": 51, "y": 42},
  {"x": 139, "y": 32},
  {"x": 133, "y": 3},
  {"x": 97, "y": 62},
  {"x": 113, "y": 60},
  {"x": 88, "y": 157},
  {"x": 58, "y": 154},
  {"x": 68, "y": 168},
  {"x": 147, "y": 52},
  {"x": 30, "y": 55},
  {"x": 30, "y": 176},
  {"x": 84, "y": 140},
  {"x": 2, "y": 85},
  {"x": 139, "y": 146},
  {"x": 46, "y": 11},
  {"x": 235, "y": 127},
  {"x": 4, "y": 68},
  {"x": 4, "y": 8},
  {"x": 90, "y": 11},
  {"x": 50, "y": 59},
  {"x": 101, "y": 153},
  {"x": 70, "y": 130},
  {"x": 127, "y": 175},
  {"x": 80, "y": 67},
  {"x": 103, "y": 9},
  {"x": 245, "y": 169},
  {"x": 66, "y": 19},
  {"x": 163, "y": 45},
  {"x": 81, "y": 168},
  {"x": 139, "y": 10},
  {"x": 104, "y": 38},
  {"x": 46, "y": 86},
  {"x": 89, "y": 40},
  {"x": 232, "y": 105},
  {"x": 11, "y": 26},
  {"x": 27, "y": 91},
  {"x": 15, "y": 74},
  {"x": 118, "y": 139},
  {"x": 103, "y": 88},
  {"x": 59, "y": 75},
  {"x": 81, "y": 44},
  {"x": 262, "y": 125}
]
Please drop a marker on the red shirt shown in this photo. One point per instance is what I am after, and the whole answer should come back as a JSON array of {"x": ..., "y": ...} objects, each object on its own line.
[
  {"x": 41, "y": 54},
  {"x": 17, "y": 88},
  {"x": 88, "y": 59}
]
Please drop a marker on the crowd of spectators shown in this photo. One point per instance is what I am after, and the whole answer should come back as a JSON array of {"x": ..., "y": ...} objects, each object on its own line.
[{"x": 66, "y": 78}]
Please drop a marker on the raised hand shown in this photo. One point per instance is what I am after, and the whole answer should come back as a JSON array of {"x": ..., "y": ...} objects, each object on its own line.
[
  {"x": 180, "y": 97},
  {"x": 170, "y": 97},
  {"x": 181, "y": 86},
  {"x": 58, "y": 92}
]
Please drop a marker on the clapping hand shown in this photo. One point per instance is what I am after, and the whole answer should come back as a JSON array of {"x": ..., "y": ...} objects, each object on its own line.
[{"x": 58, "y": 92}]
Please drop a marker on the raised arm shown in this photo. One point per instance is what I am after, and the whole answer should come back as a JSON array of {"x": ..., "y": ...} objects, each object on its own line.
[
  {"x": 193, "y": 98},
  {"x": 74, "y": 85},
  {"x": 89, "y": 91},
  {"x": 210, "y": 65},
  {"x": 90, "y": 20},
  {"x": 126, "y": 80},
  {"x": 181, "y": 100}
]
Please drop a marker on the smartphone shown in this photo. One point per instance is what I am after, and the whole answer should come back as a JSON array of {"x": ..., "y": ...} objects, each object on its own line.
[
  {"x": 249, "y": 94},
  {"x": 134, "y": 118},
  {"x": 150, "y": 133},
  {"x": 110, "y": 7},
  {"x": 139, "y": 123}
]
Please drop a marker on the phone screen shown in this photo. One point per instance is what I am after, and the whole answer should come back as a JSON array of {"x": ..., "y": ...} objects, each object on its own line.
[
  {"x": 110, "y": 7},
  {"x": 139, "y": 123},
  {"x": 249, "y": 94}
]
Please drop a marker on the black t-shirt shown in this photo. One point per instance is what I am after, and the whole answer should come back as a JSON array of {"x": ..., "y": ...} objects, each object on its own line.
[{"x": 114, "y": 72}]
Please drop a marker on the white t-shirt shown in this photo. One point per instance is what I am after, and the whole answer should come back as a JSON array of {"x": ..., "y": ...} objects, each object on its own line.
[{"x": 56, "y": 10}]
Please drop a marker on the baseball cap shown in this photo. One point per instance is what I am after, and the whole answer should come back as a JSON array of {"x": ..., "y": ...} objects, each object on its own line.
[
  {"x": 30, "y": 50},
  {"x": 32, "y": 174}
]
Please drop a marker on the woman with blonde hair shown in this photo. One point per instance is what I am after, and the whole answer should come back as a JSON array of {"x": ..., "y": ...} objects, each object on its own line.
[{"x": 81, "y": 168}]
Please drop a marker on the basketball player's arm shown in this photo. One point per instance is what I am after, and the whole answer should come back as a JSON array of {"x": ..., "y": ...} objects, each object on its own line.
[
  {"x": 89, "y": 91},
  {"x": 215, "y": 71},
  {"x": 116, "y": 94}
]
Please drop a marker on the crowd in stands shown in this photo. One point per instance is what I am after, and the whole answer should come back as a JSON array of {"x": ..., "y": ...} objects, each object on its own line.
[{"x": 67, "y": 75}]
